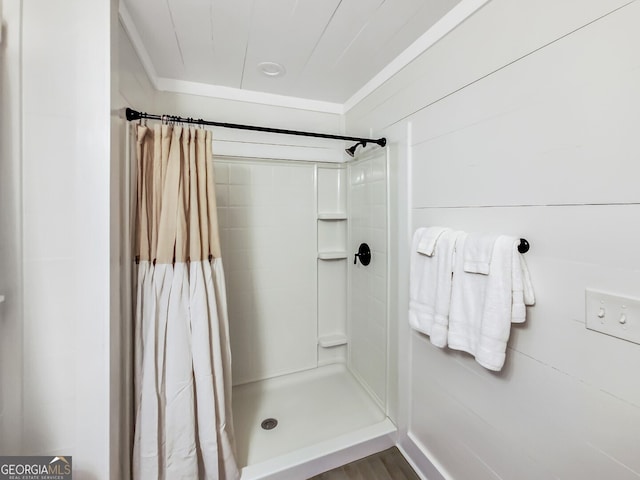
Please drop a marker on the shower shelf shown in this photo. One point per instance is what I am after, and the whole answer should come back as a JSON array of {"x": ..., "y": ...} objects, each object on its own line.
[
  {"x": 327, "y": 341},
  {"x": 332, "y": 216},
  {"x": 332, "y": 255}
]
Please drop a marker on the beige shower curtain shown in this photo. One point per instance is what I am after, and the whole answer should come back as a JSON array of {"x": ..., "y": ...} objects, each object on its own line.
[{"x": 183, "y": 426}]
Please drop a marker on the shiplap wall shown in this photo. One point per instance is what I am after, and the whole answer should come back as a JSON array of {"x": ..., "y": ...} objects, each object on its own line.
[
  {"x": 524, "y": 120},
  {"x": 10, "y": 233},
  {"x": 65, "y": 74}
]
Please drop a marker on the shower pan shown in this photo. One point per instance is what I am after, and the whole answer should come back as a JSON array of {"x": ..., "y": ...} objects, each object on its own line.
[{"x": 308, "y": 327}]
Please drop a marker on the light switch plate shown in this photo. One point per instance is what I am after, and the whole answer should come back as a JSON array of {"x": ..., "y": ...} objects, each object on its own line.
[{"x": 613, "y": 315}]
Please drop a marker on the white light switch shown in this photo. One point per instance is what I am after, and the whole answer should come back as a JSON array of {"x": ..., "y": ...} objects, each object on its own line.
[{"x": 614, "y": 315}]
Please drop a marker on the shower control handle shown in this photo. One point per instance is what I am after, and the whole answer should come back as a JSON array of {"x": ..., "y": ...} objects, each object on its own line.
[{"x": 364, "y": 254}]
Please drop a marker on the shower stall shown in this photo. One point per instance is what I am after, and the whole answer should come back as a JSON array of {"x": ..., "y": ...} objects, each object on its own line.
[{"x": 308, "y": 320}]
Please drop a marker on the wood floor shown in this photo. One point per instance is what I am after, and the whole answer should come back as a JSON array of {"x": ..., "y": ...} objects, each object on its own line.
[{"x": 387, "y": 465}]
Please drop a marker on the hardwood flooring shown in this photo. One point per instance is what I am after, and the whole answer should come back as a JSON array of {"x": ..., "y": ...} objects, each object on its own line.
[{"x": 386, "y": 465}]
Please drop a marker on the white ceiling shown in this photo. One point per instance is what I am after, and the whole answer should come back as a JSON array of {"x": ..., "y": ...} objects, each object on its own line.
[{"x": 329, "y": 48}]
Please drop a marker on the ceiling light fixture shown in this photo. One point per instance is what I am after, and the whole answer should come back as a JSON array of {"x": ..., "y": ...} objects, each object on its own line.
[{"x": 271, "y": 69}]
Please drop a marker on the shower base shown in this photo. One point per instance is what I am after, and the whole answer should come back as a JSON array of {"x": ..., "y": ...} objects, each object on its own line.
[{"x": 324, "y": 419}]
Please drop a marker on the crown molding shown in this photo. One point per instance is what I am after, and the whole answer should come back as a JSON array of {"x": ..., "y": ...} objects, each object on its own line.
[{"x": 252, "y": 96}]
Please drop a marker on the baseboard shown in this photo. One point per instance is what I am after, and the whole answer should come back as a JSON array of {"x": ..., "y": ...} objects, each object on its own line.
[{"x": 420, "y": 460}]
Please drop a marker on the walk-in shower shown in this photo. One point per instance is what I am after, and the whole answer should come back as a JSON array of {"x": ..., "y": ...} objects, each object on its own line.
[{"x": 308, "y": 327}]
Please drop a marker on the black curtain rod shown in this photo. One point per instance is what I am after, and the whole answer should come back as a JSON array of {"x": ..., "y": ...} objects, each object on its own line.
[{"x": 135, "y": 115}]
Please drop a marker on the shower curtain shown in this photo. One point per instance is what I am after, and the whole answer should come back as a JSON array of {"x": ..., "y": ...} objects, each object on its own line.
[{"x": 182, "y": 369}]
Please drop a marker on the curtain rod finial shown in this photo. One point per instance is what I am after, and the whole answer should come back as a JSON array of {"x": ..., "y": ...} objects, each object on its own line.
[{"x": 132, "y": 114}]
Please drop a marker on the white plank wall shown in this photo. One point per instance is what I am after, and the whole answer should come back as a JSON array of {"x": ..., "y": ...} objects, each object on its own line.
[
  {"x": 539, "y": 125},
  {"x": 524, "y": 121},
  {"x": 65, "y": 219},
  {"x": 11, "y": 310},
  {"x": 500, "y": 33}
]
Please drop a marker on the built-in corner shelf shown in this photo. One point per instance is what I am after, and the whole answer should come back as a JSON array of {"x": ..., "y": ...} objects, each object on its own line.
[
  {"x": 328, "y": 341},
  {"x": 332, "y": 226},
  {"x": 332, "y": 216},
  {"x": 332, "y": 255}
]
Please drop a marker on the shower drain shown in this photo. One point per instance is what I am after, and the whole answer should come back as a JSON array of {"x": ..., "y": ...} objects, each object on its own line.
[{"x": 269, "y": 424}]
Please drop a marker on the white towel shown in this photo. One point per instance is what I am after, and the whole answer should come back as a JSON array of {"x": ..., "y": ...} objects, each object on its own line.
[
  {"x": 522, "y": 289},
  {"x": 484, "y": 306},
  {"x": 477, "y": 252},
  {"x": 467, "y": 303},
  {"x": 428, "y": 238},
  {"x": 495, "y": 326},
  {"x": 423, "y": 272},
  {"x": 430, "y": 282}
]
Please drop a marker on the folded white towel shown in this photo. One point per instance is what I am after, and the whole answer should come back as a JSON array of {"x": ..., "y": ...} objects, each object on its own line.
[
  {"x": 522, "y": 289},
  {"x": 417, "y": 264},
  {"x": 484, "y": 306},
  {"x": 495, "y": 325},
  {"x": 423, "y": 272},
  {"x": 428, "y": 238},
  {"x": 477, "y": 252},
  {"x": 430, "y": 282},
  {"x": 467, "y": 303}
]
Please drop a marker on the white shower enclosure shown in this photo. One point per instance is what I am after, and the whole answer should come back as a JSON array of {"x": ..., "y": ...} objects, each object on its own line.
[{"x": 309, "y": 329}]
